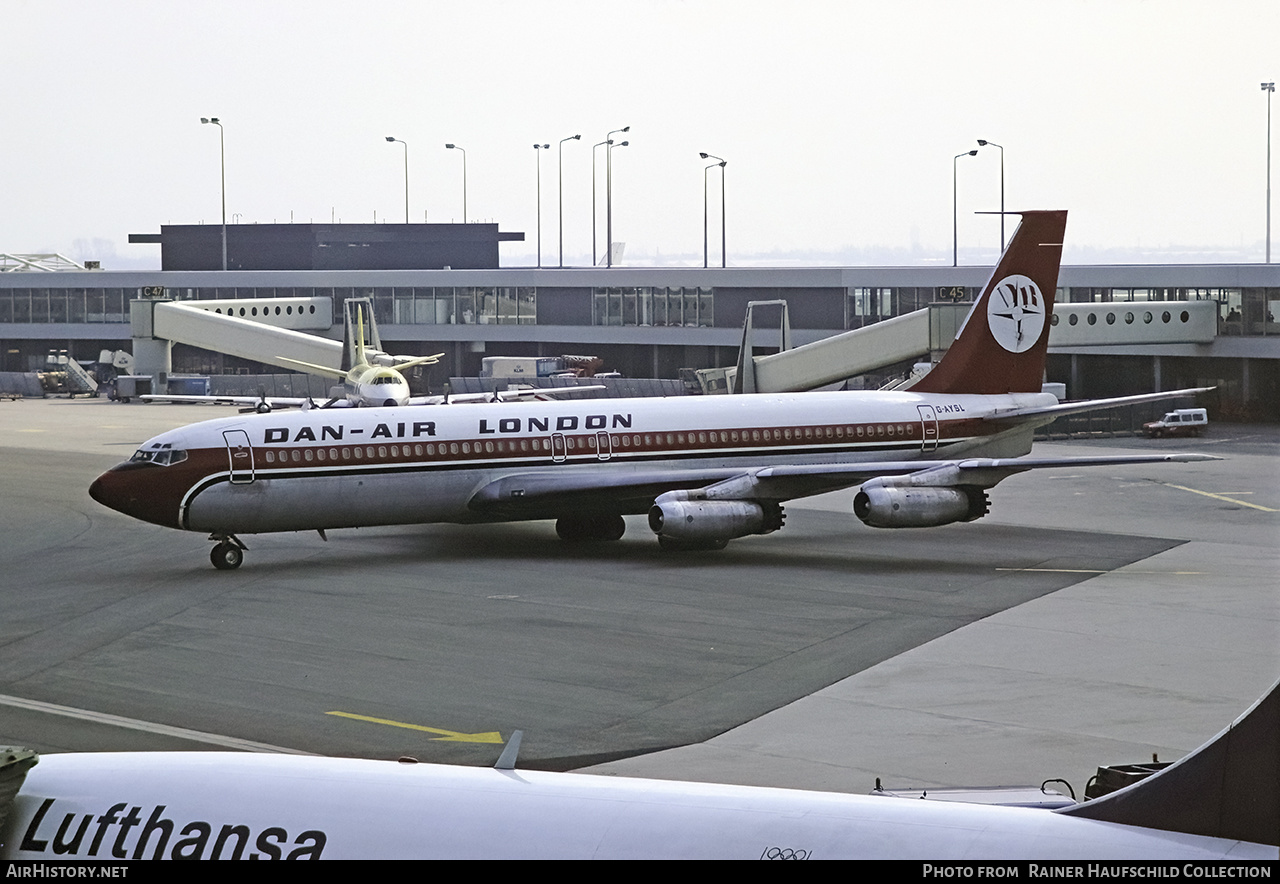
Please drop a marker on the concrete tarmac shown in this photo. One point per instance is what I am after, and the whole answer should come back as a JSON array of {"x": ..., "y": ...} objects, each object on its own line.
[
  {"x": 1096, "y": 616},
  {"x": 1151, "y": 658}
]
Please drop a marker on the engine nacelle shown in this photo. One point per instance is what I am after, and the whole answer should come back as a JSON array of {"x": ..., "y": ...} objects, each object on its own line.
[
  {"x": 702, "y": 521},
  {"x": 889, "y": 506}
]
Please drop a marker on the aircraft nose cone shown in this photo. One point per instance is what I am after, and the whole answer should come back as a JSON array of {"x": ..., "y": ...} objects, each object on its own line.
[
  {"x": 110, "y": 490},
  {"x": 135, "y": 492},
  {"x": 98, "y": 491}
]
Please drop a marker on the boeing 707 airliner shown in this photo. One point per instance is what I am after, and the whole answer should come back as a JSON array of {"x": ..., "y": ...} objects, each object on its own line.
[{"x": 706, "y": 470}]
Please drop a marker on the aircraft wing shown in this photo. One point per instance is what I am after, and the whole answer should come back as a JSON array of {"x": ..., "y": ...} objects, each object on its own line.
[
  {"x": 523, "y": 394},
  {"x": 631, "y": 491},
  {"x": 982, "y": 472},
  {"x": 251, "y": 402},
  {"x": 452, "y": 399},
  {"x": 634, "y": 490},
  {"x": 413, "y": 362},
  {"x": 322, "y": 370}
]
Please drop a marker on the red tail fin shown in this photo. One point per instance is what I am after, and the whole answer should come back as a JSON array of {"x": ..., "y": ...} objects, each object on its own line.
[{"x": 1001, "y": 346}]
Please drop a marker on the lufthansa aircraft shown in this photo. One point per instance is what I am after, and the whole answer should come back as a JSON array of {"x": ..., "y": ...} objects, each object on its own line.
[
  {"x": 1220, "y": 806},
  {"x": 705, "y": 469}
]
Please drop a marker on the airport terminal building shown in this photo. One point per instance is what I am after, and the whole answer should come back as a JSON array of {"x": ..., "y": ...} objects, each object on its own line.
[{"x": 654, "y": 321}]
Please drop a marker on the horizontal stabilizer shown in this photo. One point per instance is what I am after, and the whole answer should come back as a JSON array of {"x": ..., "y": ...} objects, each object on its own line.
[{"x": 1065, "y": 408}]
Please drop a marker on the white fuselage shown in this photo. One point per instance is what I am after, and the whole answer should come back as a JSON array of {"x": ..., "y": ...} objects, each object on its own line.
[
  {"x": 228, "y": 805},
  {"x": 350, "y": 467},
  {"x": 374, "y": 386}
]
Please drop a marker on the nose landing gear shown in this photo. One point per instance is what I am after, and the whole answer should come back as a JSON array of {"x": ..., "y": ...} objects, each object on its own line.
[{"x": 228, "y": 554}]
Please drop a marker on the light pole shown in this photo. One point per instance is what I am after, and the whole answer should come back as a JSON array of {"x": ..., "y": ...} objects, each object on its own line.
[
  {"x": 560, "y": 178},
  {"x": 537, "y": 153},
  {"x": 722, "y": 163},
  {"x": 955, "y": 212},
  {"x": 608, "y": 192},
  {"x": 464, "y": 179},
  {"x": 1269, "y": 88},
  {"x": 593, "y": 198},
  {"x": 406, "y": 176},
  {"x": 223, "y": 147},
  {"x": 982, "y": 143}
]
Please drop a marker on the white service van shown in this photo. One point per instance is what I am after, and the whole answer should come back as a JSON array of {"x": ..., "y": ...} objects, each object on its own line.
[{"x": 1182, "y": 422}]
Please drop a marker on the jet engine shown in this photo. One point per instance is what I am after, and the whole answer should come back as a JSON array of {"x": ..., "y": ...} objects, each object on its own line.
[
  {"x": 895, "y": 506},
  {"x": 712, "y": 522}
]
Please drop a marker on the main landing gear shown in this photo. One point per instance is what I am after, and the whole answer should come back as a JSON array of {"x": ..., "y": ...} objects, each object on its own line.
[
  {"x": 670, "y": 544},
  {"x": 228, "y": 554},
  {"x": 591, "y": 527}
]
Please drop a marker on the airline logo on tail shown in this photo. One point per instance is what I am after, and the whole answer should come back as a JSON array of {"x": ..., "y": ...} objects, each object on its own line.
[
  {"x": 1015, "y": 313},
  {"x": 1006, "y": 353}
]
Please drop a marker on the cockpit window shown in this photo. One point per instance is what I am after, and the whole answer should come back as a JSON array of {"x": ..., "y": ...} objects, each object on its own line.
[{"x": 160, "y": 455}]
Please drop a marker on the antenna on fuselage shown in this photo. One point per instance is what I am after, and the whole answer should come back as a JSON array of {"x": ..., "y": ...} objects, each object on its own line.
[{"x": 507, "y": 760}]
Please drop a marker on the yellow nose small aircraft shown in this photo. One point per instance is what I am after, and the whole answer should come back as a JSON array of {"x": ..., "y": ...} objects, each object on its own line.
[{"x": 367, "y": 384}]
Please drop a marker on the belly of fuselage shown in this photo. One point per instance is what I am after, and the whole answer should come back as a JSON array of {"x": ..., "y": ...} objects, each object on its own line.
[{"x": 305, "y": 503}]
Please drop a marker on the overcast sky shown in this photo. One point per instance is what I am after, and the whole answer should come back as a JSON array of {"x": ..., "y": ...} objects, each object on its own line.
[{"x": 839, "y": 121}]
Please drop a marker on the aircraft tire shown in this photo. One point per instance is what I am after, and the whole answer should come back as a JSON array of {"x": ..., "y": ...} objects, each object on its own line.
[
  {"x": 580, "y": 528},
  {"x": 611, "y": 528},
  {"x": 226, "y": 556},
  {"x": 568, "y": 529},
  {"x": 669, "y": 544}
]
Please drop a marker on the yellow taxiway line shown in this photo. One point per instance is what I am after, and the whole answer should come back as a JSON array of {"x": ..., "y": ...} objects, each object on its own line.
[
  {"x": 445, "y": 736},
  {"x": 1223, "y": 497}
]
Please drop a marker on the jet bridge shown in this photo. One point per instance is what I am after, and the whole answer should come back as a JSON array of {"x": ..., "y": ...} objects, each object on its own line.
[
  {"x": 267, "y": 330},
  {"x": 920, "y": 333},
  {"x": 1075, "y": 329}
]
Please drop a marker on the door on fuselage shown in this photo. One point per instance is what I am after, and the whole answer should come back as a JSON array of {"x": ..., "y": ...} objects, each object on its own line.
[
  {"x": 929, "y": 428},
  {"x": 240, "y": 454}
]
